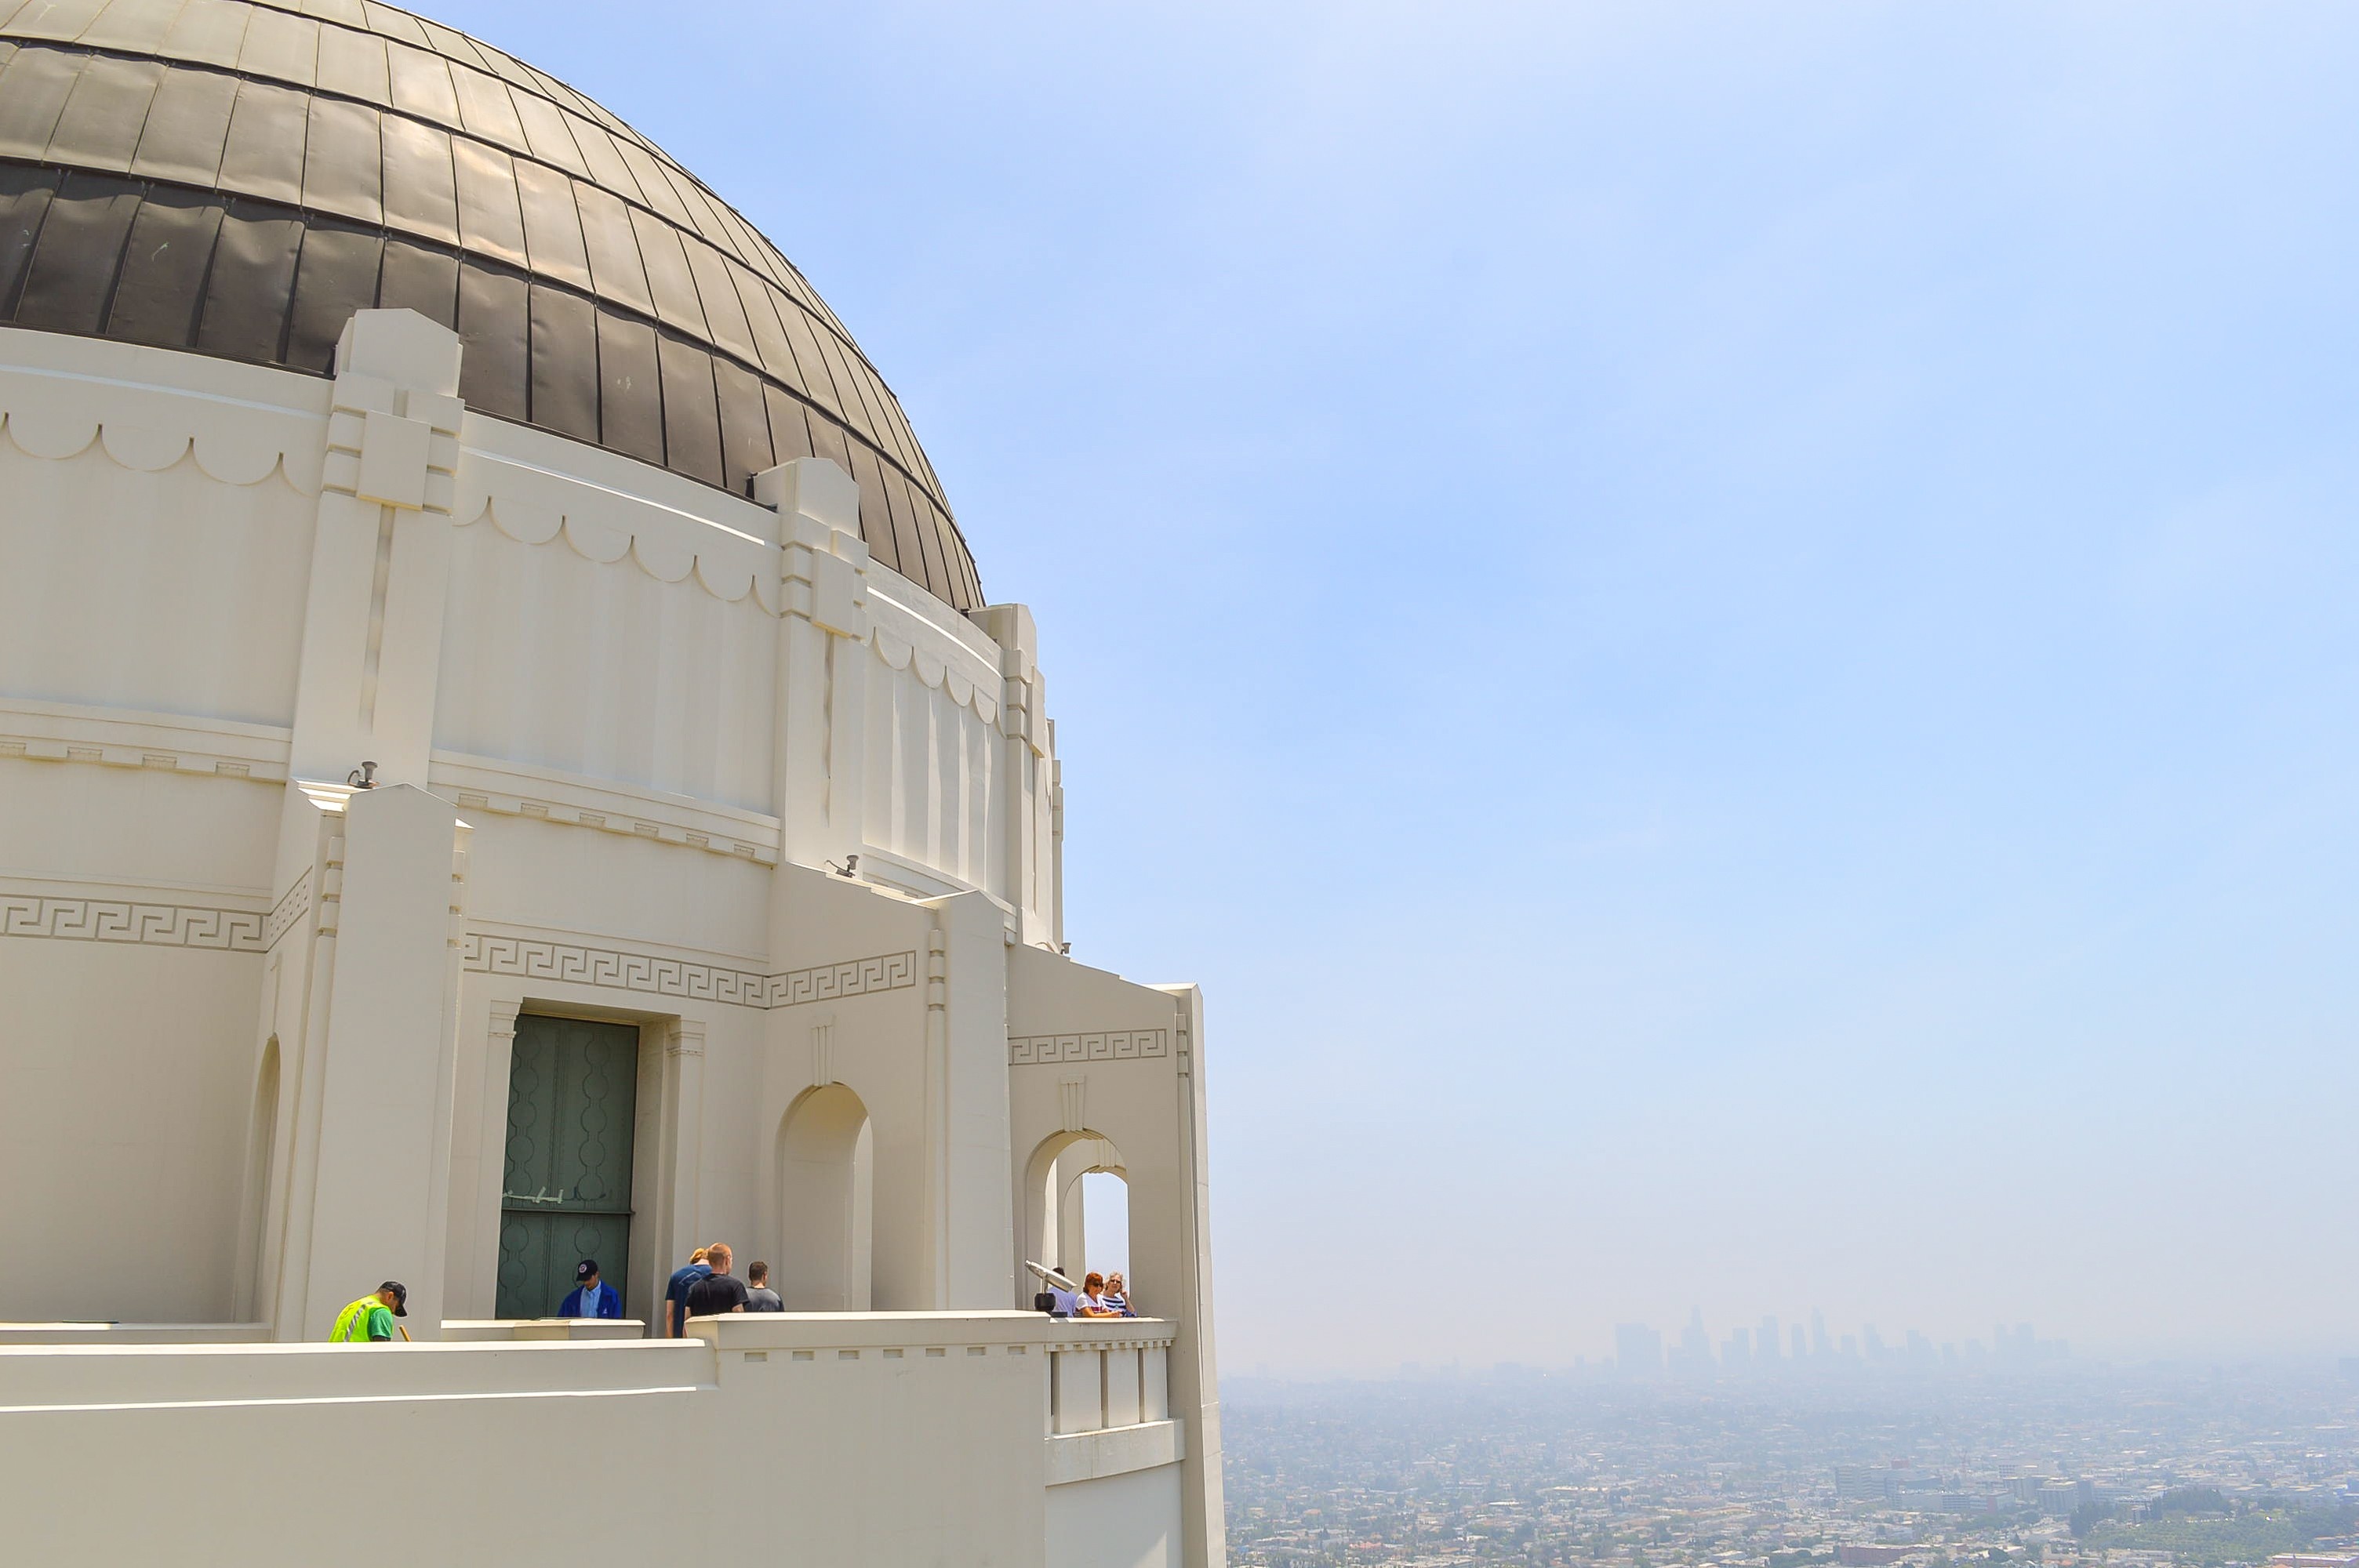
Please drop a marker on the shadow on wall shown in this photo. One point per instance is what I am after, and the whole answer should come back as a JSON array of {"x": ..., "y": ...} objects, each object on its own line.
[{"x": 826, "y": 1203}]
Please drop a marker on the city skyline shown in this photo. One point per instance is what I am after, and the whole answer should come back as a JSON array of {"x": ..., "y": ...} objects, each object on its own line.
[{"x": 1766, "y": 1345}]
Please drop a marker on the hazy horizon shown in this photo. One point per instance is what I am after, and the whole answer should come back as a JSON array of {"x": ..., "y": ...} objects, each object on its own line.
[{"x": 1721, "y": 633}]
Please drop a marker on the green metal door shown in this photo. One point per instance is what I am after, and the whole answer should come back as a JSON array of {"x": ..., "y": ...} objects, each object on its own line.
[{"x": 572, "y": 1087}]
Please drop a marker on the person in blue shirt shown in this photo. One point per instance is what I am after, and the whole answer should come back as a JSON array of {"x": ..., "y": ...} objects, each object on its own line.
[
  {"x": 675, "y": 1306},
  {"x": 591, "y": 1296}
]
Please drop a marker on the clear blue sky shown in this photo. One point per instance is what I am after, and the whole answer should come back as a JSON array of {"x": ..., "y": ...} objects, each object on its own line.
[{"x": 1726, "y": 634}]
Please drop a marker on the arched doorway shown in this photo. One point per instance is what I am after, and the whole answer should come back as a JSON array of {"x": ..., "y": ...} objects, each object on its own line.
[
  {"x": 826, "y": 1203},
  {"x": 1077, "y": 1207}
]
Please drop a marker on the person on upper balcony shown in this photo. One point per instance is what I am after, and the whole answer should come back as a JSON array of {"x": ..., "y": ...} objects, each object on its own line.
[
  {"x": 1118, "y": 1296},
  {"x": 1091, "y": 1301}
]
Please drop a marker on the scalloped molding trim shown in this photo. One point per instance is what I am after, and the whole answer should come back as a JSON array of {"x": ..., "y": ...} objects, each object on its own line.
[
  {"x": 146, "y": 430},
  {"x": 534, "y": 507},
  {"x": 935, "y": 673}
]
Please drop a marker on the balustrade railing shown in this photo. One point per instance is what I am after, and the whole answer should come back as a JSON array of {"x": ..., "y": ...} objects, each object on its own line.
[{"x": 1105, "y": 1373}]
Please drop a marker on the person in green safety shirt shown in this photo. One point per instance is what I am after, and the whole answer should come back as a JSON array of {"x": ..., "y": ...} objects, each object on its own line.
[{"x": 370, "y": 1319}]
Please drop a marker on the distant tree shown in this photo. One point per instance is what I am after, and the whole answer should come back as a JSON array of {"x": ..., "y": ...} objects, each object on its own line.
[
  {"x": 2192, "y": 1500},
  {"x": 2088, "y": 1517}
]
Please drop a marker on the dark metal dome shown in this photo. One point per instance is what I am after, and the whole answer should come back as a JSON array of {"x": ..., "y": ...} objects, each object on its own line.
[{"x": 237, "y": 178}]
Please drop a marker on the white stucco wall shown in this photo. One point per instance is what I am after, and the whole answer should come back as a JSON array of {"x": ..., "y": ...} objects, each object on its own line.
[{"x": 1122, "y": 1521}]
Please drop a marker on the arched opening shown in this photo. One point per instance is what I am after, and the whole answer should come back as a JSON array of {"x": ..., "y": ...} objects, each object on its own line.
[
  {"x": 826, "y": 1203},
  {"x": 1105, "y": 1235},
  {"x": 1077, "y": 1208},
  {"x": 261, "y": 1166}
]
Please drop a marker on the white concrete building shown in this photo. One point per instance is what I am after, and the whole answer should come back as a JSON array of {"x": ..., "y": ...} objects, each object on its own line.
[{"x": 505, "y": 758}]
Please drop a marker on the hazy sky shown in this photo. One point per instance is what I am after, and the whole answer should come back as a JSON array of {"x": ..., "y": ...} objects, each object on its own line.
[{"x": 1726, "y": 634}]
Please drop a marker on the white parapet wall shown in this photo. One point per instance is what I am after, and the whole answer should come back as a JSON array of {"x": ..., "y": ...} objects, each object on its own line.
[{"x": 878, "y": 1439}]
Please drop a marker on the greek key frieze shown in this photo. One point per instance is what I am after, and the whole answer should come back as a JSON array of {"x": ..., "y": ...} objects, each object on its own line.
[
  {"x": 856, "y": 977},
  {"x": 488, "y": 954},
  {"x": 1113, "y": 1046},
  {"x": 117, "y": 920}
]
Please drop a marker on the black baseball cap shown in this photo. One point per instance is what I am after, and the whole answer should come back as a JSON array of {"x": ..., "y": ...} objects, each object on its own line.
[
  {"x": 400, "y": 1296},
  {"x": 587, "y": 1267}
]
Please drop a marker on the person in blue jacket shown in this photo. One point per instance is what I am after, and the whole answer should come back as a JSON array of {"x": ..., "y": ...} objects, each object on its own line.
[{"x": 591, "y": 1296}]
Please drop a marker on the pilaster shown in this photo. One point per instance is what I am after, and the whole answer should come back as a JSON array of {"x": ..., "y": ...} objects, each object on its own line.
[
  {"x": 381, "y": 554},
  {"x": 1028, "y": 775},
  {"x": 972, "y": 1215},
  {"x": 823, "y": 565},
  {"x": 369, "y": 1192},
  {"x": 1194, "y": 1371},
  {"x": 682, "y": 1155},
  {"x": 480, "y": 1178}
]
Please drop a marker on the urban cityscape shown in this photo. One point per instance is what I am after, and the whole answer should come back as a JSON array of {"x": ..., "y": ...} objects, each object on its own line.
[{"x": 1906, "y": 1455}]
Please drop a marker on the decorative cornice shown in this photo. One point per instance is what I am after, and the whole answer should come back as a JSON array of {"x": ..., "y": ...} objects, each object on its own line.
[
  {"x": 145, "y": 925},
  {"x": 118, "y": 737},
  {"x": 507, "y": 789},
  {"x": 1112, "y": 1045},
  {"x": 488, "y": 954}
]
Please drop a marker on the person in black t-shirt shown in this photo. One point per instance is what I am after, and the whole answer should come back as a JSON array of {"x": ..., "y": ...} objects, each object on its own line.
[{"x": 720, "y": 1291}]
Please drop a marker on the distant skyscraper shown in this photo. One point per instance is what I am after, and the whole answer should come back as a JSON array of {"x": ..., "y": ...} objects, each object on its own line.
[
  {"x": 1765, "y": 1343},
  {"x": 1694, "y": 1353},
  {"x": 1875, "y": 1342},
  {"x": 1821, "y": 1347},
  {"x": 1801, "y": 1347},
  {"x": 1737, "y": 1352},
  {"x": 1637, "y": 1350}
]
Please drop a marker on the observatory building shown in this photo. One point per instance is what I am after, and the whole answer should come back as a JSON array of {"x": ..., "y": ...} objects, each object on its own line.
[{"x": 505, "y": 758}]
